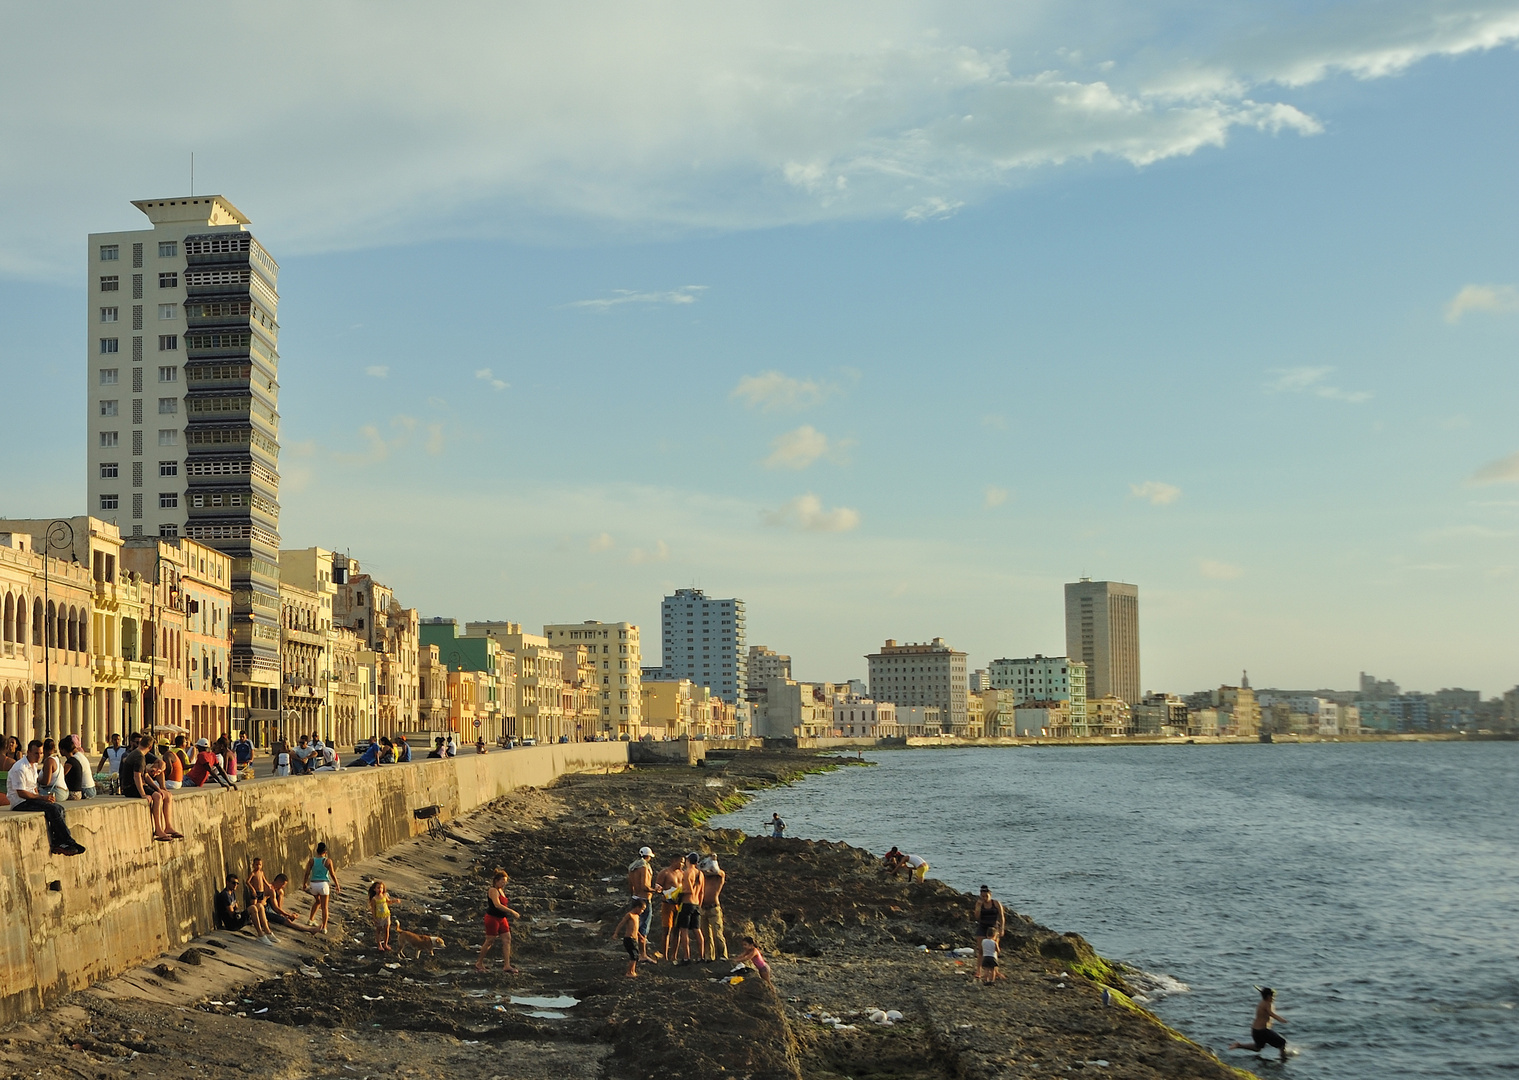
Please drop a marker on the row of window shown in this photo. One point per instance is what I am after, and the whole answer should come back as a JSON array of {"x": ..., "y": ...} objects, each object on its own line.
[
  {"x": 112, "y": 282},
  {"x": 110, "y": 470},
  {"x": 110, "y": 376},
  {"x": 109, "y": 346},
  {"x": 166, "y": 437},
  {"x": 166, "y": 313},
  {"x": 167, "y": 249},
  {"x": 167, "y": 500},
  {"x": 167, "y": 406}
]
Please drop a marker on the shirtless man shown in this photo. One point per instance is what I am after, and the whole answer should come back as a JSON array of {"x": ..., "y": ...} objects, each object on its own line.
[
  {"x": 990, "y": 916},
  {"x": 1260, "y": 1027},
  {"x": 688, "y": 919},
  {"x": 671, "y": 877},
  {"x": 893, "y": 861},
  {"x": 641, "y": 887}
]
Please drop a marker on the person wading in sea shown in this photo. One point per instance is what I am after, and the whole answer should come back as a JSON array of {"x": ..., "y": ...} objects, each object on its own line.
[{"x": 1261, "y": 1034}]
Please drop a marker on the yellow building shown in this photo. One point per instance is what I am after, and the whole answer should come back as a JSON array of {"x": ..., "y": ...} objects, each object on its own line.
[
  {"x": 539, "y": 714},
  {"x": 619, "y": 657},
  {"x": 1109, "y": 715},
  {"x": 666, "y": 710},
  {"x": 582, "y": 691}
]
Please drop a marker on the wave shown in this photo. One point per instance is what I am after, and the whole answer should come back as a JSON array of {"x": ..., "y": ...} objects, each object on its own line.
[{"x": 1150, "y": 985}]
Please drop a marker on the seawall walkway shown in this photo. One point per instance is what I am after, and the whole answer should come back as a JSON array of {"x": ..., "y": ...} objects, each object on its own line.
[{"x": 66, "y": 923}]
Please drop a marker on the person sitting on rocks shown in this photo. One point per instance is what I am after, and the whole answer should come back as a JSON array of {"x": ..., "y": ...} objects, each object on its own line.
[
  {"x": 228, "y": 917},
  {"x": 893, "y": 861},
  {"x": 750, "y": 955},
  {"x": 23, "y": 791}
]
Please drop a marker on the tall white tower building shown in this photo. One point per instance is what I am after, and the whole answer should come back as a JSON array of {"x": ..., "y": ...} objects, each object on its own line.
[
  {"x": 702, "y": 639},
  {"x": 183, "y": 392}
]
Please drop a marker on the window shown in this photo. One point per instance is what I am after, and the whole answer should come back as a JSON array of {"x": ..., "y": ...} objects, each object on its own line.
[
  {"x": 109, "y": 314},
  {"x": 109, "y": 252},
  {"x": 168, "y": 342},
  {"x": 110, "y": 345},
  {"x": 108, "y": 502},
  {"x": 168, "y": 468},
  {"x": 167, "y": 249},
  {"x": 110, "y": 284},
  {"x": 168, "y": 374},
  {"x": 168, "y": 281},
  {"x": 168, "y": 437},
  {"x": 171, "y": 530},
  {"x": 109, "y": 470},
  {"x": 168, "y": 500},
  {"x": 109, "y": 376},
  {"x": 168, "y": 406},
  {"x": 168, "y": 312},
  {"x": 110, "y": 438},
  {"x": 108, "y": 408}
]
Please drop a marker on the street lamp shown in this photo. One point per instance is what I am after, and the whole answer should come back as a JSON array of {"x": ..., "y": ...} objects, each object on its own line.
[{"x": 60, "y": 535}]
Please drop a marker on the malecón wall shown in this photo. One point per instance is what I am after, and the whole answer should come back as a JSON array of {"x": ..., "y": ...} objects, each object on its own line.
[{"x": 66, "y": 923}]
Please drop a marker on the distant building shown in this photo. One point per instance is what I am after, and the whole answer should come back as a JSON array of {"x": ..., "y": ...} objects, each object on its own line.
[
  {"x": 1160, "y": 714},
  {"x": 980, "y": 680},
  {"x": 1102, "y": 631},
  {"x": 615, "y": 648},
  {"x": 1108, "y": 716},
  {"x": 997, "y": 708},
  {"x": 702, "y": 639},
  {"x": 1374, "y": 689},
  {"x": 862, "y": 718},
  {"x": 791, "y": 709},
  {"x": 1045, "y": 678},
  {"x": 1043, "y": 719},
  {"x": 931, "y": 675},
  {"x": 539, "y": 708},
  {"x": 920, "y": 719}
]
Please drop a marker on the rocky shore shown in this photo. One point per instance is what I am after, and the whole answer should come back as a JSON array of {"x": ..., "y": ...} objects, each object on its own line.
[{"x": 842, "y": 940}]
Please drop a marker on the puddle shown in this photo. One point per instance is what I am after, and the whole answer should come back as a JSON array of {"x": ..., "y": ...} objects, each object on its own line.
[
  {"x": 548, "y": 1014},
  {"x": 564, "y": 1001}
]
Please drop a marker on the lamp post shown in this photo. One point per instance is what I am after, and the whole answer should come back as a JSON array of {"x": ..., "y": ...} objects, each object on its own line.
[{"x": 60, "y": 535}]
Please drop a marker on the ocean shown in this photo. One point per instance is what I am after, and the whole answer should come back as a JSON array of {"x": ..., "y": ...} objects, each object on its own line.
[{"x": 1375, "y": 886}]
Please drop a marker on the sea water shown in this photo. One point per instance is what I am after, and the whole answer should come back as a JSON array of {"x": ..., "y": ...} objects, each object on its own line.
[{"x": 1375, "y": 886}]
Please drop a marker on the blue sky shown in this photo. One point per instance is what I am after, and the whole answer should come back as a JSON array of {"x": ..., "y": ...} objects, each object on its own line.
[{"x": 888, "y": 320}]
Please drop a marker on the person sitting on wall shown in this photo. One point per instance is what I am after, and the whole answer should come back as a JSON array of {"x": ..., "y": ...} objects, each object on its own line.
[
  {"x": 480, "y": 745},
  {"x": 228, "y": 917},
  {"x": 22, "y": 789},
  {"x": 78, "y": 777},
  {"x": 387, "y": 751},
  {"x": 206, "y": 767},
  {"x": 437, "y": 750},
  {"x": 403, "y": 749},
  {"x": 301, "y": 756},
  {"x": 140, "y": 779},
  {"x": 370, "y": 756}
]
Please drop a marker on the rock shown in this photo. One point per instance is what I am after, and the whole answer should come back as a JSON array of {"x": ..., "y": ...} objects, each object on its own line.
[{"x": 190, "y": 956}]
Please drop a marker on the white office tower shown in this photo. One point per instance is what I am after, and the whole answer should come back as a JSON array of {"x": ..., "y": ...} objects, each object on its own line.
[
  {"x": 183, "y": 392},
  {"x": 1102, "y": 631},
  {"x": 703, "y": 640}
]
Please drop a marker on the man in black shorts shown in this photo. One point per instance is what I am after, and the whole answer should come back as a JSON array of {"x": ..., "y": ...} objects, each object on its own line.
[
  {"x": 1260, "y": 1028},
  {"x": 688, "y": 918}
]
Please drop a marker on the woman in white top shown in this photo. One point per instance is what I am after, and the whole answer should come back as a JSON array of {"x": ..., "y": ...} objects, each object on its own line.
[
  {"x": 282, "y": 758},
  {"x": 50, "y": 773}
]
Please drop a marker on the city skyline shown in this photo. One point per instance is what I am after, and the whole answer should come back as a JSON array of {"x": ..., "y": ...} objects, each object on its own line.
[{"x": 1224, "y": 348}]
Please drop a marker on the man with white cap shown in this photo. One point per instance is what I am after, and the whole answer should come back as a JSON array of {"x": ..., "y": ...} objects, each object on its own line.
[
  {"x": 641, "y": 887},
  {"x": 714, "y": 944},
  {"x": 206, "y": 767}
]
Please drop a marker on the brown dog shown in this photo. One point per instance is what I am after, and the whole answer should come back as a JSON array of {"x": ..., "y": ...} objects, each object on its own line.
[{"x": 422, "y": 943}]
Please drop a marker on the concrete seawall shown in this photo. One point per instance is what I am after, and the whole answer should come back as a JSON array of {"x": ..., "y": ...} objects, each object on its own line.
[{"x": 66, "y": 923}]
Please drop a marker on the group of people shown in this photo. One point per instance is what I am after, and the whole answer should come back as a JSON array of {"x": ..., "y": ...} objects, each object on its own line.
[
  {"x": 894, "y": 862},
  {"x": 689, "y": 893},
  {"x": 265, "y": 906}
]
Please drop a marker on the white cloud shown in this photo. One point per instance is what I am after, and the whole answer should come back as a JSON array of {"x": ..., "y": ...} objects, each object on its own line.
[
  {"x": 686, "y": 294},
  {"x": 377, "y": 371},
  {"x": 601, "y": 542},
  {"x": 806, "y": 512},
  {"x": 484, "y": 119},
  {"x": 1310, "y": 380},
  {"x": 639, "y": 557},
  {"x": 1503, "y": 471},
  {"x": 1489, "y": 299},
  {"x": 1157, "y": 493},
  {"x": 771, "y": 391},
  {"x": 434, "y": 443},
  {"x": 995, "y": 496},
  {"x": 1218, "y": 571},
  {"x": 376, "y": 447},
  {"x": 486, "y": 375},
  {"x": 801, "y": 448}
]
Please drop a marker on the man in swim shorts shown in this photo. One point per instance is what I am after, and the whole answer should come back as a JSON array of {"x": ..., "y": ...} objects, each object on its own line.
[
  {"x": 1261, "y": 1034},
  {"x": 688, "y": 919},
  {"x": 669, "y": 885}
]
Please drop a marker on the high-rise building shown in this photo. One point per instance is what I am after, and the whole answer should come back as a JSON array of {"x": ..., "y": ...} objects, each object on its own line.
[
  {"x": 615, "y": 650},
  {"x": 702, "y": 639},
  {"x": 1102, "y": 631},
  {"x": 931, "y": 675},
  {"x": 183, "y": 421}
]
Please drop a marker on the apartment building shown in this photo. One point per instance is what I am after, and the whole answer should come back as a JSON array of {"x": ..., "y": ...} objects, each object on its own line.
[
  {"x": 862, "y": 718},
  {"x": 1044, "y": 678},
  {"x": 616, "y": 650},
  {"x": 932, "y": 675},
  {"x": 702, "y": 639},
  {"x": 540, "y": 680}
]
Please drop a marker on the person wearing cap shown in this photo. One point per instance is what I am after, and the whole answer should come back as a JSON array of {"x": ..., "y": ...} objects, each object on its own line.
[
  {"x": 990, "y": 916},
  {"x": 206, "y": 767},
  {"x": 641, "y": 887},
  {"x": 715, "y": 945},
  {"x": 403, "y": 749}
]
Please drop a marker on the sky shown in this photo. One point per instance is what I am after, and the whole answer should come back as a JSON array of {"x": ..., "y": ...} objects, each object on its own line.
[{"x": 888, "y": 319}]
